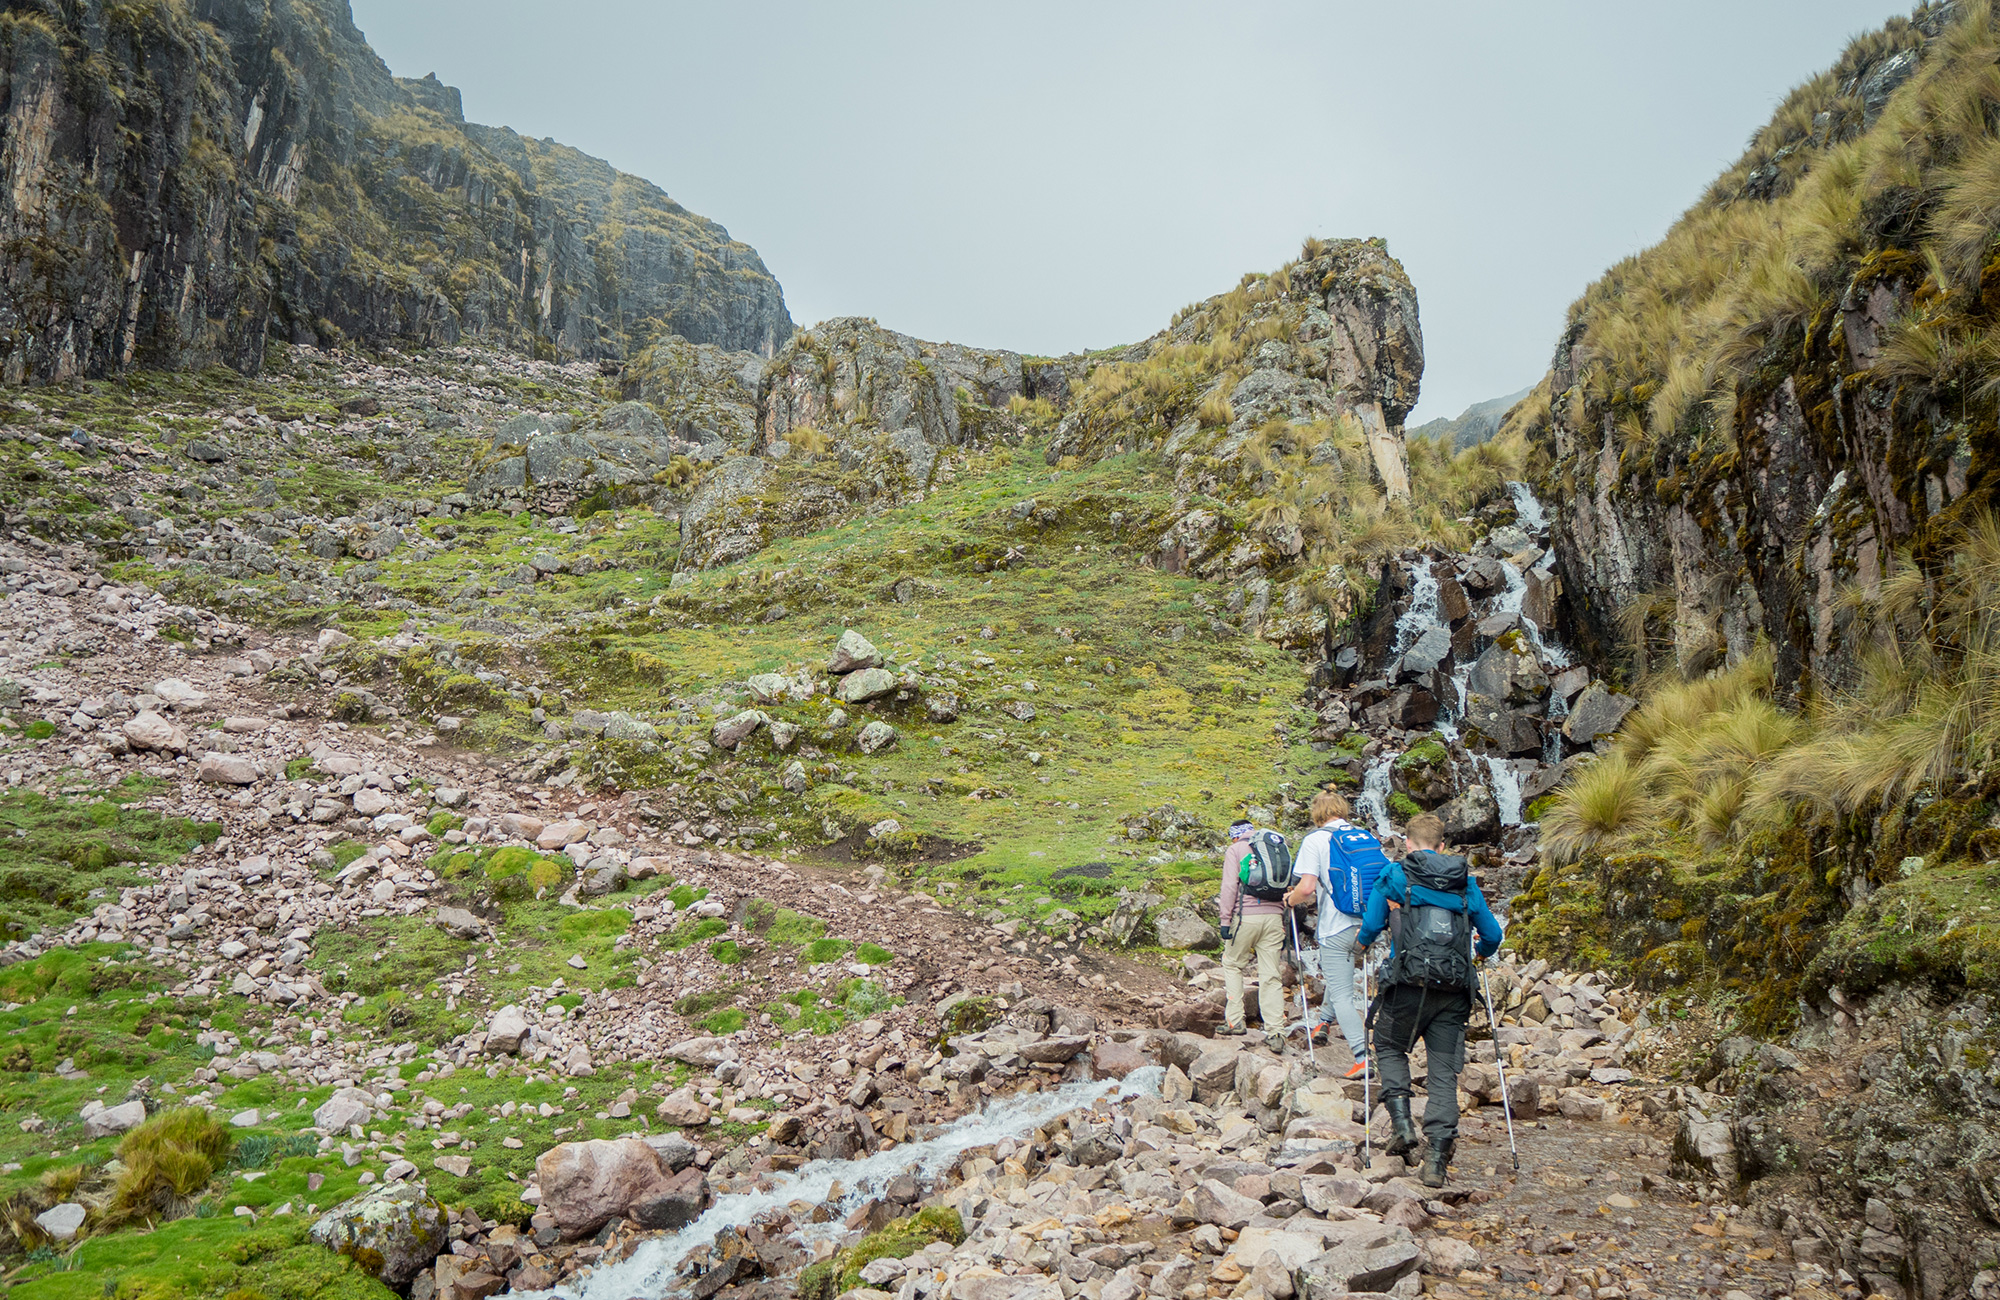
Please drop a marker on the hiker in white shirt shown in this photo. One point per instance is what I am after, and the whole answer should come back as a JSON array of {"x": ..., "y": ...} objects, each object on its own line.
[{"x": 1339, "y": 953}]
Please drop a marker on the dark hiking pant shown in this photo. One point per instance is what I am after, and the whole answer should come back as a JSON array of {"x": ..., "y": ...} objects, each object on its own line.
[{"x": 1406, "y": 1016}]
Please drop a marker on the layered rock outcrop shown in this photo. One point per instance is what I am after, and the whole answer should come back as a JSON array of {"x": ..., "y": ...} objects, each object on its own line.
[
  {"x": 186, "y": 182},
  {"x": 1742, "y": 425}
]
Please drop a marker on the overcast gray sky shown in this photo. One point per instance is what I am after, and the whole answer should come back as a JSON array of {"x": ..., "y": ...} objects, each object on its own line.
[{"x": 1054, "y": 176}]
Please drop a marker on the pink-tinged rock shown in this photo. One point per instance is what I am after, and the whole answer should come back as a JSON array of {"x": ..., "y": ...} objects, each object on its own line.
[
  {"x": 229, "y": 769},
  {"x": 557, "y": 835},
  {"x": 587, "y": 1184},
  {"x": 519, "y": 826},
  {"x": 148, "y": 730}
]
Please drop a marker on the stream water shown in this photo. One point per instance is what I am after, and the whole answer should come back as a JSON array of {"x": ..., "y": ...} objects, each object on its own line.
[{"x": 840, "y": 1185}]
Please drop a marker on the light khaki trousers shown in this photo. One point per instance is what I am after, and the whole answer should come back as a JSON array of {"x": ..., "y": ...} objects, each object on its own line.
[{"x": 1263, "y": 935}]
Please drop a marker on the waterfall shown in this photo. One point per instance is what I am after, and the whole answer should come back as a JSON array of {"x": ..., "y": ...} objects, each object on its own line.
[
  {"x": 1552, "y": 745},
  {"x": 1528, "y": 507},
  {"x": 1504, "y": 780},
  {"x": 651, "y": 1269},
  {"x": 1422, "y": 615},
  {"x": 1374, "y": 801}
]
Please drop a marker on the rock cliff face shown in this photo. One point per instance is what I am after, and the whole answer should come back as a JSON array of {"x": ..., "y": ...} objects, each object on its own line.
[
  {"x": 188, "y": 178},
  {"x": 1796, "y": 384}
]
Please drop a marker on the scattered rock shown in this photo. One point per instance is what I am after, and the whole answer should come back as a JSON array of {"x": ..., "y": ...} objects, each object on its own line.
[
  {"x": 63, "y": 1221},
  {"x": 393, "y": 1232},
  {"x": 852, "y": 652}
]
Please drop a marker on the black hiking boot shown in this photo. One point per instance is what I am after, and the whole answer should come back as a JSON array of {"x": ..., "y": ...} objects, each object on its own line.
[
  {"x": 1436, "y": 1161},
  {"x": 1404, "y": 1140}
]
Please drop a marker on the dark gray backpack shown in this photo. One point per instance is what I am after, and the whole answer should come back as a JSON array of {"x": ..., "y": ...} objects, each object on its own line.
[{"x": 1433, "y": 945}]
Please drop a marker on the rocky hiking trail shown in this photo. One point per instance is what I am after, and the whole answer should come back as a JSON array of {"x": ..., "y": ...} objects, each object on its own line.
[{"x": 1221, "y": 1159}]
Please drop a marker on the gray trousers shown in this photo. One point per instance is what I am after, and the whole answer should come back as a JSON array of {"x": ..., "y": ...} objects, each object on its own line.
[
  {"x": 1344, "y": 997},
  {"x": 1437, "y": 1017}
]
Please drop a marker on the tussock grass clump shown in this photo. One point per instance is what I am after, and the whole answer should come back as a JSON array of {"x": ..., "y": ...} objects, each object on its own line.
[
  {"x": 1717, "y": 757},
  {"x": 168, "y": 1161}
]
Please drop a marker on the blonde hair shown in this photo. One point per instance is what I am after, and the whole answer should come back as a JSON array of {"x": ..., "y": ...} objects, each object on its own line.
[
  {"x": 1329, "y": 804},
  {"x": 1425, "y": 828}
]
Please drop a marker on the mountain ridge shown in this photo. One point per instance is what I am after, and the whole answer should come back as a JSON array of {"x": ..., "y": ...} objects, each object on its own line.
[{"x": 189, "y": 180}]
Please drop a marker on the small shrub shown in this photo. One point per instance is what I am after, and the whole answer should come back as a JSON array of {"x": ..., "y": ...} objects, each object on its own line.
[
  {"x": 345, "y": 852},
  {"x": 723, "y": 1022},
  {"x": 869, "y": 954},
  {"x": 692, "y": 931},
  {"x": 821, "y": 951},
  {"x": 39, "y": 729},
  {"x": 168, "y": 1161},
  {"x": 726, "y": 952},
  {"x": 696, "y": 1005}
]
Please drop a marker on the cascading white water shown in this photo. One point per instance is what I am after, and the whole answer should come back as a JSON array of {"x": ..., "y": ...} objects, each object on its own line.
[
  {"x": 1374, "y": 801},
  {"x": 1422, "y": 615},
  {"x": 652, "y": 1269},
  {"x": 1527, "y": 507},
  {"x": 1552, "y": 745},
  {"x": 1505, "y": 782}
]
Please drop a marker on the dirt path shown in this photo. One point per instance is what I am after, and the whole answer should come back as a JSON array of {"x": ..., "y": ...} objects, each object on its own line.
[{"x": 1594, "y": 1212}]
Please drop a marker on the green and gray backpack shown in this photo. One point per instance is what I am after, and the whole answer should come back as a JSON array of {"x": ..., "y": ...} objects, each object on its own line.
[{"x": 1266, "y": 870}]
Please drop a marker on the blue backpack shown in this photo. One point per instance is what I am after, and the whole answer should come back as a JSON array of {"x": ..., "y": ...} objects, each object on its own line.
[{"x": 1356, "y": 861}]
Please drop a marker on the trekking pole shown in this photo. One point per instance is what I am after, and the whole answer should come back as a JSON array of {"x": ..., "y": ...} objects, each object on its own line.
[
  {"x": 1499, "y": 1063},
  {"x": 1367, "y": 1104},
  {"x": 1299, "y": 954}
]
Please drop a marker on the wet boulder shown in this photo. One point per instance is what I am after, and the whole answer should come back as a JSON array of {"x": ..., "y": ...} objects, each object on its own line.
[
  {"x": 1509, "y": 673},
  {"x": 587, "y": 1184},
  {"x": 1422, "y": 662},
  {"x": 1493, "y": 727},
  {"x": 1596, "y": 714},
  {"x": 1471, "y": 818}
]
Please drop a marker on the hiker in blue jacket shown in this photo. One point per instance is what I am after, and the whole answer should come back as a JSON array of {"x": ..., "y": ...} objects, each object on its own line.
[{"x": 1427, "y": 986}]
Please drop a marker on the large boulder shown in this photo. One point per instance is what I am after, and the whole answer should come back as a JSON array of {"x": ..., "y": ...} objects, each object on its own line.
[
  {"x": 1472, "y": 818},
  {"x": 864, "y": 684},
  {"x": 344, "y": 1109},
  {"x": 875, "y": 737},
  {"x": 1213, "y": 1202},
  {"x": 1508, "y": 673},
  {"x": 114, "y": 1119},
  {"x": 391, "y": 1232},
  {"x": 1182, "y": 928},
  {"x": 1595, "y": 715},
  {"x": 587, "y": 1184},
  {"x": 1364, "y": 1256},
  {"x": 228, "y": 769},
  {"x": 507, "y": 1031},
  {"x": 148, "y": 730},
  {"x": 733, "y": 731}
]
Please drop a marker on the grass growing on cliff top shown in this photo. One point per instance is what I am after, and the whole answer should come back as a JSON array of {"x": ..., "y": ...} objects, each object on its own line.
[{"x": 1823, "y": 203}]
